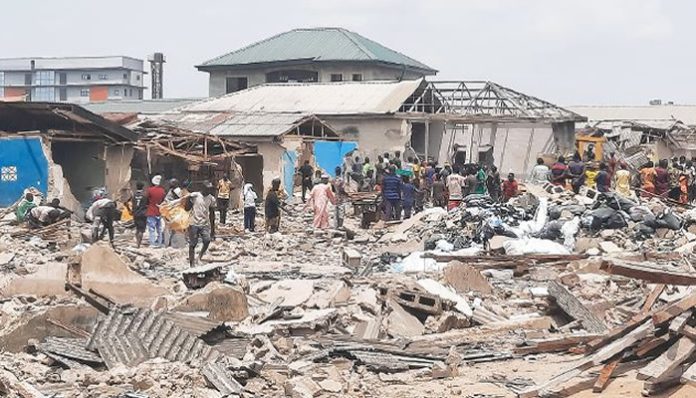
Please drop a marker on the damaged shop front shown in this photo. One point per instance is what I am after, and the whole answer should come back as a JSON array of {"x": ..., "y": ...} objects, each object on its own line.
[{"x": 62, "y": 150}]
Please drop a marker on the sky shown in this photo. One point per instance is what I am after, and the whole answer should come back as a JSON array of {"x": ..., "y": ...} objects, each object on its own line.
[{"x": 569, "y": 52}]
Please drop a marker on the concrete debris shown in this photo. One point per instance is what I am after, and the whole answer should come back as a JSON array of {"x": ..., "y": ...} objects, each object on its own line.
[{"x": 486, "y": 298}]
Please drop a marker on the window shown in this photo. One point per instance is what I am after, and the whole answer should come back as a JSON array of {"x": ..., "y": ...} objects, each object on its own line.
[
  {"x": 125, "y": 75},
  {"x": 43, "y": 94},
  {"x": 233, "y": 84},
  {"x": 130, "y": 92},
  {"x": 336, "y": 77},
  {"x": 27, "y": 79},
  {"x": 103, "y": 76},
  {"x": 86, "y": 76},
  {"x": 63, "y": 93},
  {"x": 44, "y": 78},
  {"x": 84, "y": 92},
  {"x": 137, "y": 77},
  {"x": 357, "y": 77},
  {"x": 63, "y": 78}
]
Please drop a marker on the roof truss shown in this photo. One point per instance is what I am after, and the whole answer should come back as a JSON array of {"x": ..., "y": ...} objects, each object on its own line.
[{"x": 483, "y": 100}]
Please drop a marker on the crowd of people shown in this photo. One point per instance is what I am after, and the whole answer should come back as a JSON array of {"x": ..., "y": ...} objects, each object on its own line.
[
  {"x": 673, "y": 179},
  {"x": 403, "y": 187}
]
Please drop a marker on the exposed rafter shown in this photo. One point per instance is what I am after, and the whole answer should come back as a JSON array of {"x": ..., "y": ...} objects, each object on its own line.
[{"x": 483, "y": 100}]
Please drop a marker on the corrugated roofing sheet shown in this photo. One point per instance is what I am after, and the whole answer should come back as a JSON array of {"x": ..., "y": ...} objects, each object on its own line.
[
  {"x": 257, "y": 124},
  {"x": 130, "y": 336},
  {"x": 144, "y": 107},
  {"x": 316, "y": 44},
  {"x": 344, "y": 98},
  {"x": 683, "y": 113}
]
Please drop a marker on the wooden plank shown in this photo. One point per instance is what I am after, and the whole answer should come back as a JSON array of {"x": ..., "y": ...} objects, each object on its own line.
[
  {"x": 689, "y": 331},
  {"x": 689, "y": 377},
  {"x": 573, "y": 307},
  {"x": 650, "y": 344},
  {"x": 652, "y": 298},
  {"x": 673, "y": 310},
  {"x": 668, "y": 361},
  {"x": 595, "y": 359},
  {"x": 605, "y": 375},
  {"x": 649, "y": 272},
  {"x": 678, "y": 323},
  {"x": 554, "y": 345}
]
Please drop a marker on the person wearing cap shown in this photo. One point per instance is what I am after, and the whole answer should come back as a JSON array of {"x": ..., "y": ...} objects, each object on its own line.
[
  {"x": 319, "y": 199},
  {"x": 201, "y": 222},
  {"x": 155, "y": 196}
]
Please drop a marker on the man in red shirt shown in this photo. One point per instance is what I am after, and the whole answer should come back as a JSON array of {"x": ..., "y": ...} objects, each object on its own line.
[
  {"x": 155, "y": 196},
  {"x": 509, "y": 187}
]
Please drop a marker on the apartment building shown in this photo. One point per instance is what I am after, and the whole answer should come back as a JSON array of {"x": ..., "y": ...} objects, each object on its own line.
[{"x": 71, "y": 79}]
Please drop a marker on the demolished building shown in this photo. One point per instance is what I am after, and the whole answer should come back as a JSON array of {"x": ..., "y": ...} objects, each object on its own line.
[
  {"x": 424, "y": 119},
  {"x": 62, "y": 150}
]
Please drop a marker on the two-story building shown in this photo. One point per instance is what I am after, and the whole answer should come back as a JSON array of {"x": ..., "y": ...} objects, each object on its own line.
[{"x": 310, "y": 55}]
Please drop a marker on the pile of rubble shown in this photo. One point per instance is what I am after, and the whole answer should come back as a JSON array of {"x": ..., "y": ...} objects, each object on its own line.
[{"x": 486, "y": 300}]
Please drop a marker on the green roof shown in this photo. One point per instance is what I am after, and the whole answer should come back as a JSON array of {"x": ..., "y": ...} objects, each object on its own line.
[{"x": 316, "y": 44}]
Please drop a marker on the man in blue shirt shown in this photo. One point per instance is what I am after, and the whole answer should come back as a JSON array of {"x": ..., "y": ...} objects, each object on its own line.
[{"x": 391, "y": 192}]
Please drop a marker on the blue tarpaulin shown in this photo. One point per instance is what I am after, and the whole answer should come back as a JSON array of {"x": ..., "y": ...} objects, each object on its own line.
[
  {"x": 22, "y": 165},
  {"x": 329, "y": 154}
]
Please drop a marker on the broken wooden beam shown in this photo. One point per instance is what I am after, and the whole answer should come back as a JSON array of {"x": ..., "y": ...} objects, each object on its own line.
[
  {"x": 652, "y": 298},
  {"x": 93, "y": 301},
  {"x": 649, "y": 272},
  {"x": 673, "y": 310},
  {"x": 573, "y": 307},
  {"x": 605, "y": 375},
  {"x": 554, "y": 345},
  {"x": 670, "y": 360}
]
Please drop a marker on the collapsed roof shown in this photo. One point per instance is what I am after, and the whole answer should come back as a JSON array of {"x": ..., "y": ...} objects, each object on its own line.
[{"x": 61, "y": 120}]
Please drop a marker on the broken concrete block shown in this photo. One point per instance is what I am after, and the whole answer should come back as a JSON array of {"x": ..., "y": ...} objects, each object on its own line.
[
  {"x": 497, "y": 241},
  {"x": 401, "y": 323},
  {"x": 609, "y": 247},
  {"x": 46, "y": 280},
  {"x": 440, "y": 370},
  {"x": 351, "y": 258},
  {"x": 447, "y": 321},
  {"x": 465, "y": 278},
  {"x": 293, "y": 292},
  {"x": 302, "y": 387},
  {"x": 331, "y": 385},
  {"x": 36, "y": 325},
  {"x": 222, "y": 302},
  {"x": 198, "y": 277},
  {"x": 104, "y": 271},
  {"x": 583, "y": 244}
]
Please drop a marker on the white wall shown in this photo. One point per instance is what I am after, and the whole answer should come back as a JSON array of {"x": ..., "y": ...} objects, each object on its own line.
[{"x": 256, "y": 76}]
